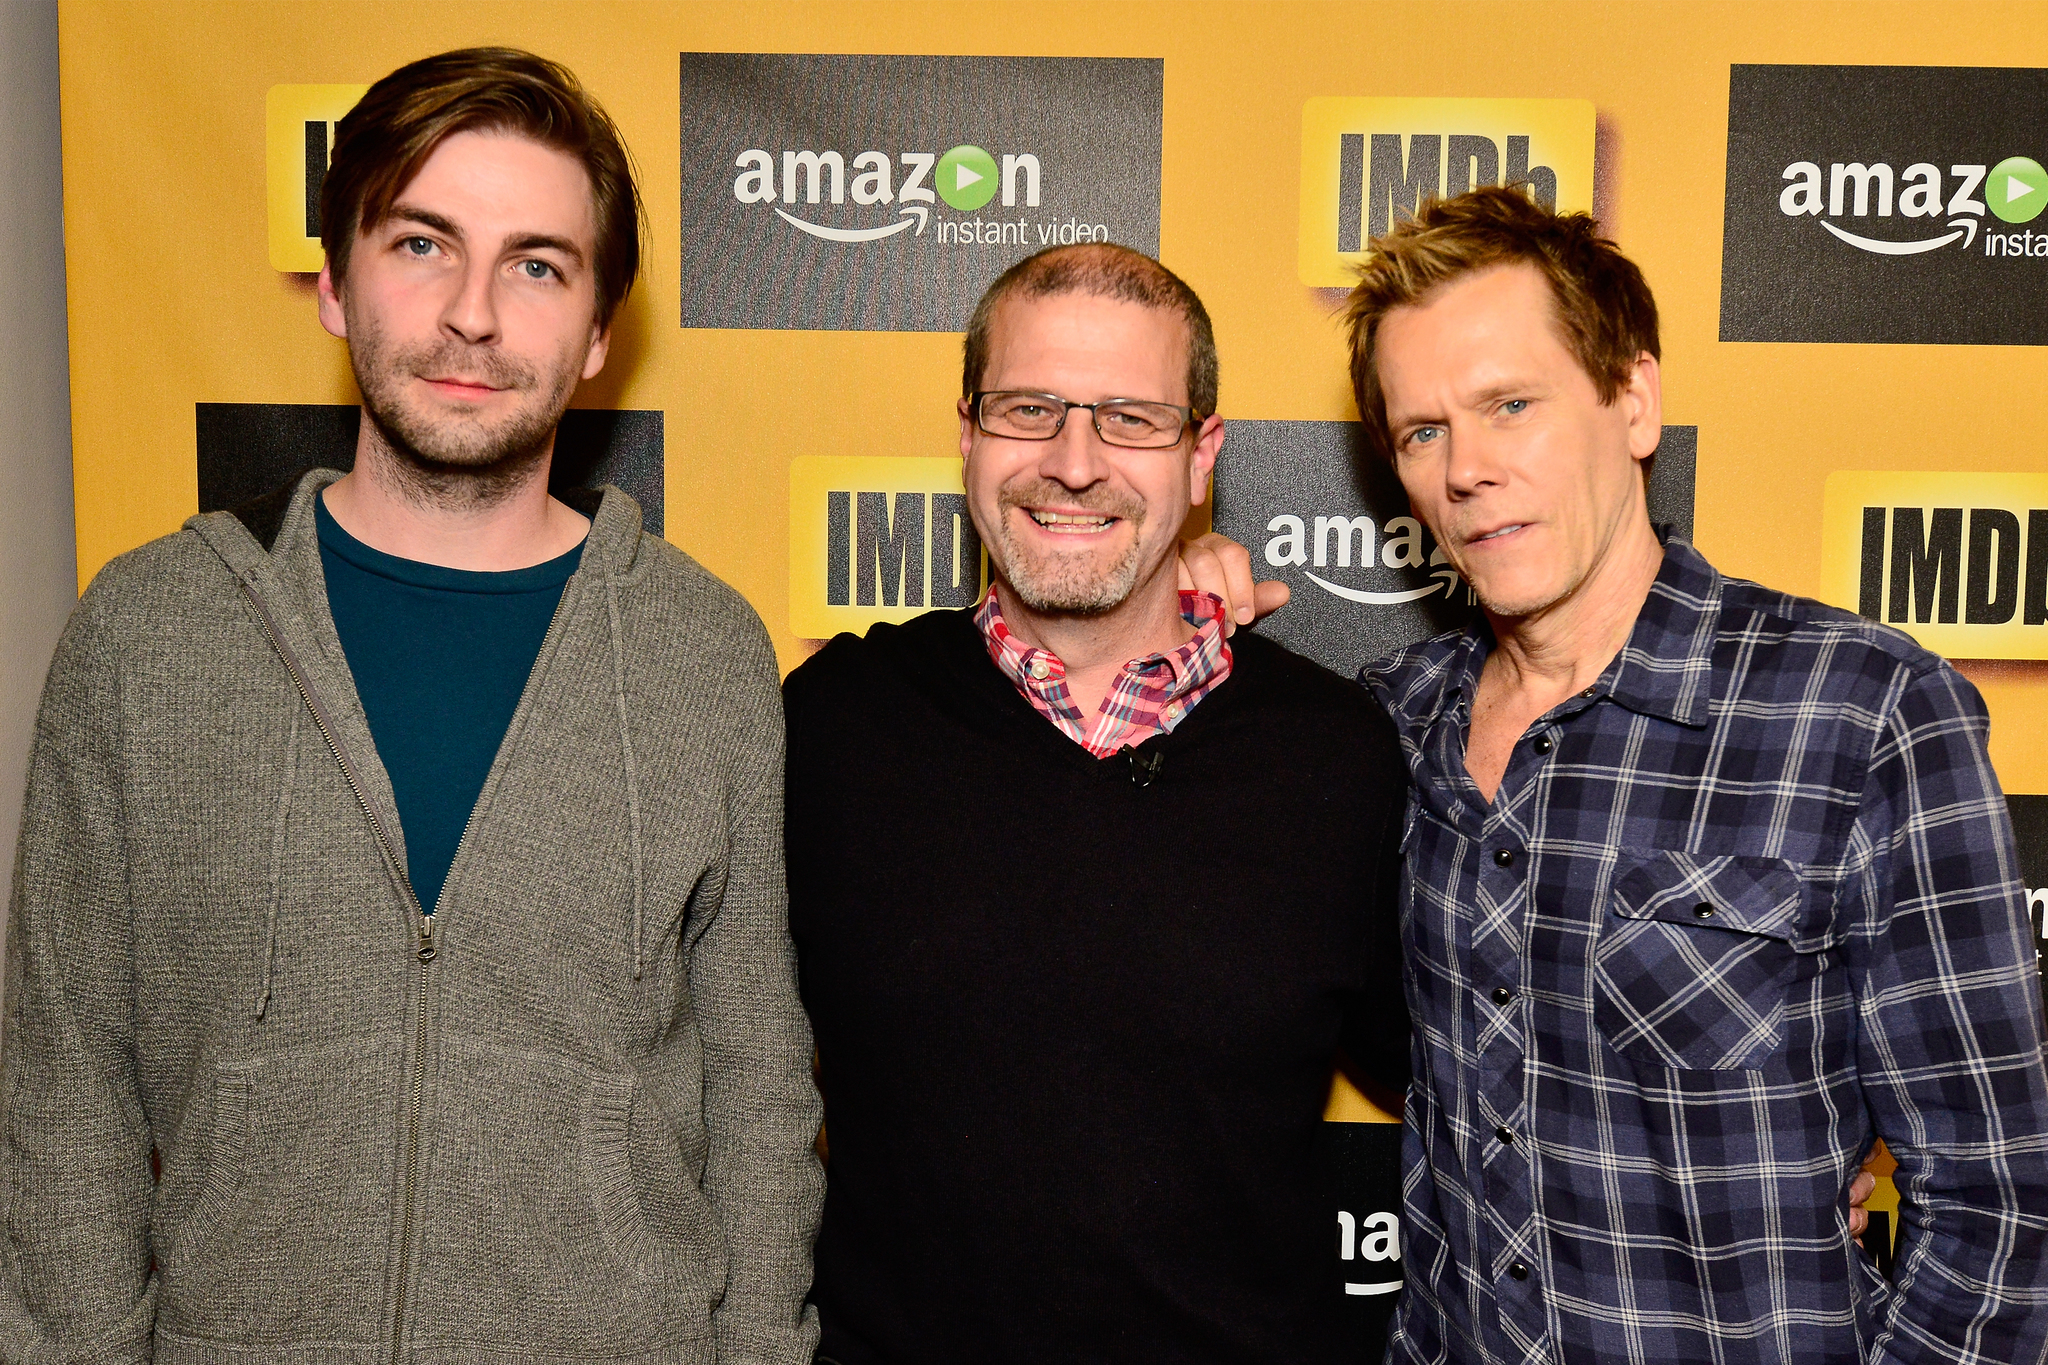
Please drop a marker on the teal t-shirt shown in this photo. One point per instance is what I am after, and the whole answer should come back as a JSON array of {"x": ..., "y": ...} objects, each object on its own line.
[{"x": 440, "y": 658}]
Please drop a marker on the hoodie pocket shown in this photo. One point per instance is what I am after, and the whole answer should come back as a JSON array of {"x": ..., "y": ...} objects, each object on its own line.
[
  {"x": 285, "y": 1233},
  {"x": 1694, "y": 960},
  {"x": 539, "y": 1232}
]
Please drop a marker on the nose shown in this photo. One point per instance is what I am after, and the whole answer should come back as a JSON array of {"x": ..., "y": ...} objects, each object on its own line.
[
  {"x": 1076, "y": 458},
  {"x": 1474, "y": 461},
  {"x": 472, "y": 311}
]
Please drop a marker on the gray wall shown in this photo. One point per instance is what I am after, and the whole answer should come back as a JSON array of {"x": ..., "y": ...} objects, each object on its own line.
[{"x": 38, "y": 557}]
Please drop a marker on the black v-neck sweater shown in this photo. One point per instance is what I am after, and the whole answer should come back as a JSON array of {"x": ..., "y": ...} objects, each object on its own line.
[{"x": 1075, "y": 1016}]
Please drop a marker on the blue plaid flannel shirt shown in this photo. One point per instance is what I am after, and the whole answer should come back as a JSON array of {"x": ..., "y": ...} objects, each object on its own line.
[{"x": 1746, "y": 903}]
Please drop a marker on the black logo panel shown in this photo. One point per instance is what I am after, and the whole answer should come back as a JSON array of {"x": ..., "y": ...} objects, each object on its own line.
[
  {"x": 1886, "y": 204},
  {"x": 871, "y": 193}
]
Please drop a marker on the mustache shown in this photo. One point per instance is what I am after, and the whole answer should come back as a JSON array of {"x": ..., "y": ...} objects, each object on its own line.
[
  {"x": 1099, "y": 497},
  {"x": 447, "y": 357}
]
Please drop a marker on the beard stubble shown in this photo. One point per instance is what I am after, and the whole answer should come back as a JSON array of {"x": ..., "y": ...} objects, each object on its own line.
[
  {"x": 1068, "y": 584},
  {"x": 458, "y": 463}
]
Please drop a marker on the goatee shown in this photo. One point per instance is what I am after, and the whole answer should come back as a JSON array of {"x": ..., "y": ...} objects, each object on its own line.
[
  {"x": 1068, "y": 584},
  {"x": 458, "y": 462}
]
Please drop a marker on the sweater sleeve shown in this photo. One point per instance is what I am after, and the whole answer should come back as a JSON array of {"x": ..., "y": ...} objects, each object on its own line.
[
  {"x": 75, "y": 1179},
  {"x": 761, "y": 1108}
]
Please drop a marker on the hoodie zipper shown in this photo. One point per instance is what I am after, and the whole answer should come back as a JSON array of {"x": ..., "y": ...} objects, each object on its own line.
[{"x": 424, "y": 951}]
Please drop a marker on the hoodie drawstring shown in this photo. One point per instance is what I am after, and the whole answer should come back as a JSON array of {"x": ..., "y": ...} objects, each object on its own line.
[
  {"x": 611, "y": 600},
  {"x": 277, "y": 848}
]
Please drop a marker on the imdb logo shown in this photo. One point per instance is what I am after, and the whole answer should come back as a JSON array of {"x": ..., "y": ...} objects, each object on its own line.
[
  {"x": 298, "y": 137},
  {"x": 1366, "y": 163},
  {"x": 877, "y": 539},
  {"x": 1957, "y": 561}
]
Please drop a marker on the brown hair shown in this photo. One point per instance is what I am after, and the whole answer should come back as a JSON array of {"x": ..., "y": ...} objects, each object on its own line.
[
  {"x": 1605, "y": 313},
  {"x": 382, "y": 143},
  {"x": 1103, "y": 270}
]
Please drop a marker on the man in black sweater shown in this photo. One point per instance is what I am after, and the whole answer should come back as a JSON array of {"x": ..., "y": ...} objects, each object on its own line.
[{"x": 1074, "y": 1042}]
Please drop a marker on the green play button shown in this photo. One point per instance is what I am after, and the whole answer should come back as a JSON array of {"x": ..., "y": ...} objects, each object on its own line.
[
  {"x": 967, "y": 178},
  {"x": 2018, "y": 189}
]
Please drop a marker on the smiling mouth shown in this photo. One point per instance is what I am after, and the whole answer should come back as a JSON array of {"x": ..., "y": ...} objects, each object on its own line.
[
  {"x": 1496, "y": 535},
  {"x": 1070, "y": 523}
]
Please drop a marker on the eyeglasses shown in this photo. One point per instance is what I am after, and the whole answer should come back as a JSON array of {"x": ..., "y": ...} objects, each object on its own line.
[{"x": 1135, "y": 423}]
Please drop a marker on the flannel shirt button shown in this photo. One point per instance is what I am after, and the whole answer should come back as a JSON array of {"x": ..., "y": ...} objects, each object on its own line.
[
  {"x": 1518, "y": 1271},
  {"x": 1543, "y": 744},
  {"x": 1503, "y": 857},
  {"x": 1590, "y": 692},
  {"x": 1172, "y": 710},
  {"x": 1703, "y": 910},
  {"x": 1039, "y": 668},
  {"x": 1506, "y": 1135},
  {"x": 1501, "y": 995}
]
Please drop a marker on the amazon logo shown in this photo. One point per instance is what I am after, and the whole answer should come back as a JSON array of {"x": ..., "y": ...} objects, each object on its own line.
[
  {"x": 1334, "y": 542},
  {"x": 871, "y": 192},
  {"x": 903, "y": 190},
  {"x": 1956, "y": 199}
]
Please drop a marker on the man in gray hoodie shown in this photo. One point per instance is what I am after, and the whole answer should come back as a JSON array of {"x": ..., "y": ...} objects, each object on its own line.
[{"x": 397, "y": 965}]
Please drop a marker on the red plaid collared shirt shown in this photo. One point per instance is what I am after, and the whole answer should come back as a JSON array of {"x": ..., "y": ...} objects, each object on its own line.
[{"x": 1149, "y": 697}]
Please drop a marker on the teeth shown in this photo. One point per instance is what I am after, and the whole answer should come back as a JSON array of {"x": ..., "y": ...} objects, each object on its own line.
[
  {"x": 1061, "y": 521},
  {"x": 1490, "y": 535}
]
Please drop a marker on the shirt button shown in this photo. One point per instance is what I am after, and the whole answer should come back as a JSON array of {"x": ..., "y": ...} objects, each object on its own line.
[
  {"x": 1502, "y": 995},
  {"x": 1703, "y": 910},
  {"x": 1589, "y": 692},
  {"x": 1506, "y": 1135},
  {"x": 1172, "y": 710},
  {"x": 1039, "y": 668},
  {"x": 1503, "y": 857},
  {"x": 1518, "y": 1271},
  {"x": 1543, "y": 744}
]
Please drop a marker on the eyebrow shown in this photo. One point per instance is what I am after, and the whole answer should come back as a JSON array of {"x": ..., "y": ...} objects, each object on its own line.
[
  {"x": 529, "y": 241},
  {"x": 425, "y": 218},
  {"x": 541, "y": 241},
  {"x": 1490, "y": 394}
]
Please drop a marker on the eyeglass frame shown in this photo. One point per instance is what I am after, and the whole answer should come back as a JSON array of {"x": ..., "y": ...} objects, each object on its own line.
[{"x": 1189, "y": 421}]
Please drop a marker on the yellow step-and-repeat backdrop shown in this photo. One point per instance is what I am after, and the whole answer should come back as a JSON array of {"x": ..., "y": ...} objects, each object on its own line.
[{"x": 1838, "y": 205}]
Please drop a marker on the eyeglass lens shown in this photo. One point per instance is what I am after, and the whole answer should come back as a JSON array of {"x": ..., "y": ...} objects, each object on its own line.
[{"x": 1124, "y": 422}]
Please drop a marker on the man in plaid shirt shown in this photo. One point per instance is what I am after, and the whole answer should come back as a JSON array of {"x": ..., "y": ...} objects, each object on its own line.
[{"x": 1708, "y": 888}]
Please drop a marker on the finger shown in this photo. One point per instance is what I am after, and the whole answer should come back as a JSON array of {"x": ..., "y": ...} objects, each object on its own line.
[
  {"x": 1237, "y": 572},
  {"x": 1859, "y": 1223},
  {"x": 1204, "y": 572},
  {"x": 1861, "y": 1188},
  {"x": 1269, "y": 597}
]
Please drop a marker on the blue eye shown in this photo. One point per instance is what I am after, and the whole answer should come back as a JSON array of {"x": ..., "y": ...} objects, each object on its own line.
[
  {"x": 1514, "y": 406},
  {"x": 536, "y": 270},
  {"x": 1424, "y": 435},
  {"x": 418, "y": 246}
]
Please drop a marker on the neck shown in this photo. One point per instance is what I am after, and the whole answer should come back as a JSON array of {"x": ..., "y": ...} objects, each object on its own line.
[
  {"x": 1093, "y": 647},
  {"x": 1565, "y": 647},
  {"x": 511, "y": 523}
]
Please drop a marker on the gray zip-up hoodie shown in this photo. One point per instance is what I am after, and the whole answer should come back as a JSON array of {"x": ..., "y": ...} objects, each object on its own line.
[{"x": 574, "y": 1123}]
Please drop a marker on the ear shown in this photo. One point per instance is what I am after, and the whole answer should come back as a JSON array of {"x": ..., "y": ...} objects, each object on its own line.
[
  {"x": 1202, "y": 459},
  {"x": 600, "y": 348},
  {"x": 1643, "y": 401},
  {"x": 966, "y": 412},
  {"x": 332, "y": 316}
]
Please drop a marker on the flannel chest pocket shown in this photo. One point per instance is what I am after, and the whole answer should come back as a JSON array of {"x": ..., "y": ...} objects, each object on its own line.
[{"x": 1694, "y": 960}]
